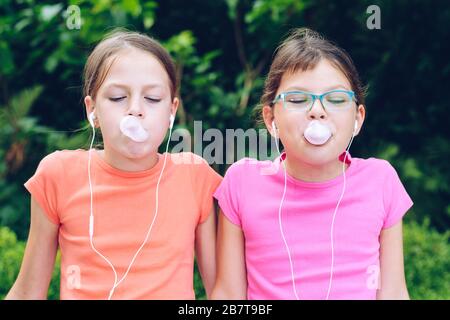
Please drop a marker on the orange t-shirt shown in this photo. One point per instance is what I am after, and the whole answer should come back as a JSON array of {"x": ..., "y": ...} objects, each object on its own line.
[{"x": 123, "y": 208}]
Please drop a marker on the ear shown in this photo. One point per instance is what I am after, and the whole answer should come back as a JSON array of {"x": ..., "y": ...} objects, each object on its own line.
[
  {"x": 89, "y": 104},
  {"x": 268, "y": 117},
  {"x": 360, "y": 116},
  {"x": 174, "y": 106}
]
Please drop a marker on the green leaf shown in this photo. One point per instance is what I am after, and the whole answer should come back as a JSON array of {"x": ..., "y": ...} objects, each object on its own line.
[
  {"x": 232, "y": 5},
  {"x": 410, "y": 169},
  {"x": 148, "y": 22},
  {"x": 132, "y": 6},
  {"x": 21, "y": 103},
  {"x": 101, "y": 5},
  {"x": 389, "y": 152},
  {"x": 52, "y": 62},
  {"x": 6, "y": 59}
]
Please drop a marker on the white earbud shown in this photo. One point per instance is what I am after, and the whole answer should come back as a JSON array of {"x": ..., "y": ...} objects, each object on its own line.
[
  {"x": 92, "y": 118},
  {"x": 172, "y": 120},
  {"x": 355, "y": 128},
  {"x": 274, "y": 129}
]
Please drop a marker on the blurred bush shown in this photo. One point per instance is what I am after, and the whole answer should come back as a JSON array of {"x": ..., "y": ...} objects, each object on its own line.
[
  {"x": 11, "y": 253},
  {"x": 427, "y": 261}
]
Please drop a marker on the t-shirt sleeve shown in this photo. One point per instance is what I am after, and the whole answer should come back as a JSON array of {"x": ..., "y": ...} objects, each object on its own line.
[
  {"x": 43, "y": 185},
  {"x": 228, "y": 193},
  {"x": 205, "y": 182},
  {"x": 396, "y": 200}
]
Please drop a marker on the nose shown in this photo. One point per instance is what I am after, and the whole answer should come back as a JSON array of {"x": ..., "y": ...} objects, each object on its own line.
[
  {"x": 136, "y": 108},
  {"x": 317, "y": 111}
]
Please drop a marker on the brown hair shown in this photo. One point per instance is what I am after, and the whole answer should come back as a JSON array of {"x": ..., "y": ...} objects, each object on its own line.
[
  {"x": 302, "y": 50},
  {"x": 99, "y": 62}
]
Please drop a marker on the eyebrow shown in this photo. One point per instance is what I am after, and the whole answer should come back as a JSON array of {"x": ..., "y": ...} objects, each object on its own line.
[
  {"x": 124, "y": 86},
  {"x": 334, "y": 87}
]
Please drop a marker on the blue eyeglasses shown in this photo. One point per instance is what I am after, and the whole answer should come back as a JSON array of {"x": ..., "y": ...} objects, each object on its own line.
[{"x": 335, "y": 100}]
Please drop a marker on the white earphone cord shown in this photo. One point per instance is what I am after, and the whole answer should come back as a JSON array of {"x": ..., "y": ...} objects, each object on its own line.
[
  {"x": 281, "y": 226},
  {"x": 91, "y": 217},
  {"x": 332, "y": 222}
]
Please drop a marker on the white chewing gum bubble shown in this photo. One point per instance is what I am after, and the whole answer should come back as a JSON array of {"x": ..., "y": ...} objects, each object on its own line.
[
  {"x": 132, "y": 128},
  {"x": 317, "y": 133}
]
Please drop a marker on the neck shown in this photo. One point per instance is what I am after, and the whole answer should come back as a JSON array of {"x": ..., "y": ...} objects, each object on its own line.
[
  {"x": 311, "y": 173},
  {"x": 120, "y": 162}
]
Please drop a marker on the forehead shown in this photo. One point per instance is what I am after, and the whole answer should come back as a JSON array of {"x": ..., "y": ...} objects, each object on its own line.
[
  {"x": 134, "y": 67},
  {"x": 322, "y": 77}
]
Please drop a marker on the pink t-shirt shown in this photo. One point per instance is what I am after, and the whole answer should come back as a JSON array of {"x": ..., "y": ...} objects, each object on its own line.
[{"x": 374, "y": 199}]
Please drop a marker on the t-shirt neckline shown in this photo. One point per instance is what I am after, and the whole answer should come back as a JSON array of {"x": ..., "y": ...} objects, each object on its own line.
[
  {"x": 321, "y": 184},
  {"x": 126, "y": 174}
]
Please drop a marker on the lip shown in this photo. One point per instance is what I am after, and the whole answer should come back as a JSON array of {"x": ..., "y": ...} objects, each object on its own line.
[
  {"x": 317, "y": 145},
  {"x": 133, "y": 141}
]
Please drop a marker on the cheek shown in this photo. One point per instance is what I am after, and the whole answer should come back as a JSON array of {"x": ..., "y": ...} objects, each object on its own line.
[
  {"x": 109, "y": 124},
  {"x": 157, "y": 123},
  {"x": 158, "y": 117},
  {"x": 343, "y": 126},
  {"x": 103, "y": 122},
  {"x": 295, "y": 125},
  {"x": 343, "y": 135},
  {"x": 291, "y": 135}
]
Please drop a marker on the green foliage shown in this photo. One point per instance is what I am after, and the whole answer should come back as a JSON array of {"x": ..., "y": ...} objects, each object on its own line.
[
  {"x": 53, "y": 289},
  {"x": 11, "y": 253},
  {"x": 20, "y": 135},
  {"x": 200, "y": 293},
  {"x": 427, "y": 261}
]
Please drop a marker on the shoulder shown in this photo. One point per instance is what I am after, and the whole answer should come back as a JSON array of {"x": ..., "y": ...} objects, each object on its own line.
[
  {"x": 193, "y": 163},
  {"x": 186, "y": 158},
  {"x": 54, "y": 159},
  {"x": 68, "y": 157},
  {"x": 376, "y": 167},
  {"x": 65, "y": 155},
  {"x": 249, "y": 167},
  {"x": 61, "y": 160}
]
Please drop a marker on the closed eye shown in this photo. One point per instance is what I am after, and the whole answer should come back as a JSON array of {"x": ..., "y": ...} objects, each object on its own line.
[
  {"x": 337, "y": 100},
  {"x": 298, "y": 100},
  {"x": 155, "y": 100},
  {"x": 117, "y": 99}
]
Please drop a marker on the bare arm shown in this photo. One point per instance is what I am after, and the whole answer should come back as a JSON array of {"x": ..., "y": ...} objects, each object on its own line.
[
  {"x": 231, "y": 281},
  {"x": 205, "y": 251},
  {"x": 393, "y": 283},
  {"x": 39, "y": 258}
]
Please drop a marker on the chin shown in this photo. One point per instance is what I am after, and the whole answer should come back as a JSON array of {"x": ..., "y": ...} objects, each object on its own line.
[
  {"x": 317, "y": 159},
  {"x": 315, "y": 154},
  {"x": 136, "y": 150}
]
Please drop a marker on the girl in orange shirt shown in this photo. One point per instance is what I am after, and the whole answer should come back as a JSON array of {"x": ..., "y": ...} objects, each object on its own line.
[{"x": 126, "y": 219}]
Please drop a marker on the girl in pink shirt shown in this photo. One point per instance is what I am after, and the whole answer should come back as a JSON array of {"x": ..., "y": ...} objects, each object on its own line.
[
  {"x": 126, "y": 219},
  {"x": 315, "y": 223}
]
